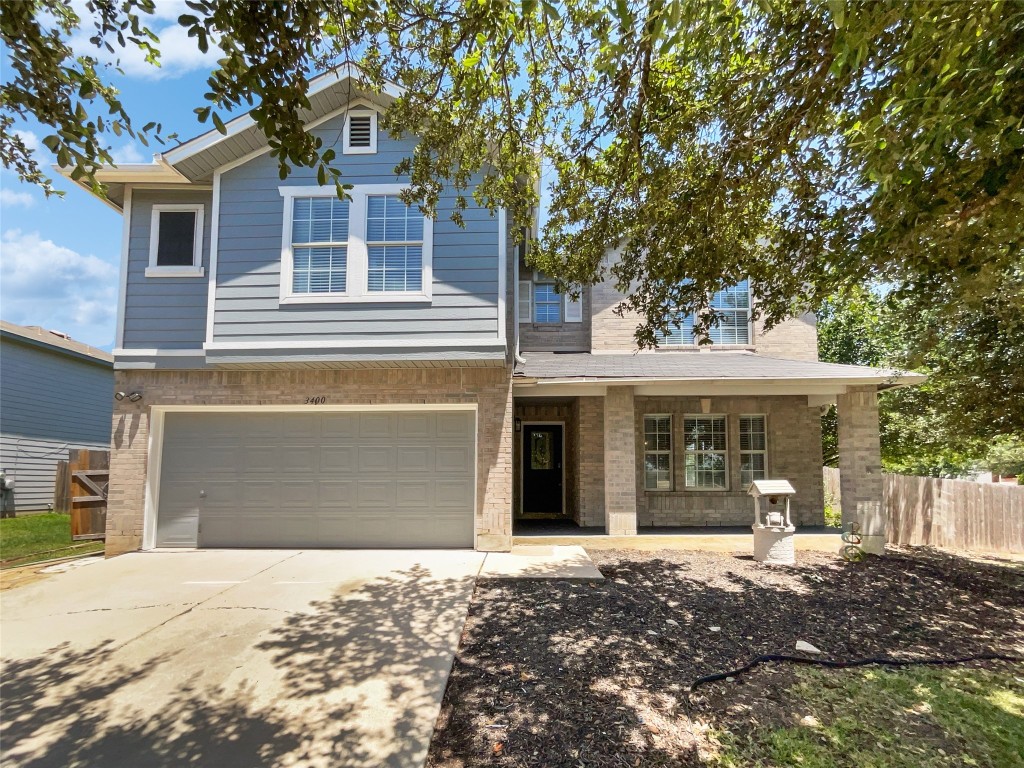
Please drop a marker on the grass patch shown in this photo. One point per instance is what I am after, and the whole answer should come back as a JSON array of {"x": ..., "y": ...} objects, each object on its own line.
[
  {"x": 31, "y": 538},
  {"x": 917, "y": 717}
]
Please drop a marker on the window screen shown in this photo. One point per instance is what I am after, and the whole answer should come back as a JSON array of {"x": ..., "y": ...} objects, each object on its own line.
[
  {"x": 706, "y": 465},
  {"x": 394, "y": 244},
  {"x": 319, "y": 245},
  {"x": 176, "y": 241}
]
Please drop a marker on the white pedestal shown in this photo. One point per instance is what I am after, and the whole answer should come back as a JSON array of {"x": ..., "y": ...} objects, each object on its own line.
[{"x": 774, "y": 544}]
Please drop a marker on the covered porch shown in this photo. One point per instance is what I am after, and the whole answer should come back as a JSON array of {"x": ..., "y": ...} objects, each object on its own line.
[{"x": 666, "y": 443}]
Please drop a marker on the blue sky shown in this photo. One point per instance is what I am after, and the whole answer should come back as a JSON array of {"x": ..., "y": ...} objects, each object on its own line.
[{"x": 59, "y": 257}]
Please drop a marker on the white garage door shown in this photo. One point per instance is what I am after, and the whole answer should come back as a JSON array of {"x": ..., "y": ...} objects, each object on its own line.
[{"x": 366, "y": 479}]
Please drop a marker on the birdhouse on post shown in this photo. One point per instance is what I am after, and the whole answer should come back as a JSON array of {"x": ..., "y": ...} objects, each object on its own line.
[{"x": 773, "y": 529}]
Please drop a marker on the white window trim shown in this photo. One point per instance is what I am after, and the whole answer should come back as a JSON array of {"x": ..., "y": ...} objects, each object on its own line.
[
  {"x": 357, "y": 261},
  {"x": 196, "y": 269},
  {"x": 370, "y": 150},
  {"x": 740, "y": 436},
  {"x": 749, "y": 344},
  {"x": 671, "y": 443},
  {"x": 724, "y": 452}
]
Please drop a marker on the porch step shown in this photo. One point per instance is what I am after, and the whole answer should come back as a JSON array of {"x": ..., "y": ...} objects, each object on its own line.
[{"x": 646, "y": 542}]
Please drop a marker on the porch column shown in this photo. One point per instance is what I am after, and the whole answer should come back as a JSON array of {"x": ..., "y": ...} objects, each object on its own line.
[
  {"x": 619, "y": 462},
  {"x": 860, "y": 466}
]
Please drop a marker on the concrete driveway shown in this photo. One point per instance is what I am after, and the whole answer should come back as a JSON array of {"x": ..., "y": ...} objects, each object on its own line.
[{"x": 233, "y": 658}]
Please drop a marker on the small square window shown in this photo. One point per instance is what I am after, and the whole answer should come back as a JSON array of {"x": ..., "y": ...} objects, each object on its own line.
[{"x": 176, "y": 241}]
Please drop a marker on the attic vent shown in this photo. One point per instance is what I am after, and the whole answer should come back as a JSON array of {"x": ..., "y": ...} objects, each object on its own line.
[{"x": 360, "y": 127}]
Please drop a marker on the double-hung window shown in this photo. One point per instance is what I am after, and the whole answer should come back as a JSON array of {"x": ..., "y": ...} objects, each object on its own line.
[
  {"x": 319, "y": 245},
  {"x": 704, "y": 439},
  {"x": 753, "y": 449},
  {"x": 547, "y": 303},
  {"x": 731, "y": 305},
  {"x": 658, "y": 452},
  {"x": 371, "y": 247},
  {"x": 394, "y": 243}
]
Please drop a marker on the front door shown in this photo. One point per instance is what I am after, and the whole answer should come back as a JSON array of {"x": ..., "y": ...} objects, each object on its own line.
[{"x": 542, "y": 470}]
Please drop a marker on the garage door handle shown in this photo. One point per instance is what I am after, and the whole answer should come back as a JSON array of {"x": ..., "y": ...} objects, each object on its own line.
[{"x": 202, "y": 494}]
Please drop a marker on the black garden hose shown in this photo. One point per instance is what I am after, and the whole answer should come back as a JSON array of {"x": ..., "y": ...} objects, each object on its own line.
[{"x": 856, "y": 663}]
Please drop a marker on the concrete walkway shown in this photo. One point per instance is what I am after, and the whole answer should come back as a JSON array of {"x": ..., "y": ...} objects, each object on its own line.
[
  {"x": 541, "y": 562},
  {"x": 233, "y": 658}
]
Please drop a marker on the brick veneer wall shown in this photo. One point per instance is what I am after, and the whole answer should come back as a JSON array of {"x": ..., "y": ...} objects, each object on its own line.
[
  {"x": 794, "y": 453},
  {"x": 489, "y": 388},
  {"x": 619, "y": 462},
  {"x": 793, "y": 339},
  {"x": 591, "y": 461},
  {"x": 860, "y": 465}
]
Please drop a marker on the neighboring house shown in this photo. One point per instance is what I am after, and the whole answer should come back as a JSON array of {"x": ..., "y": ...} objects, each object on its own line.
[
  {"x": 55, "y": 394},
  {"x": 319, "y": 372}
]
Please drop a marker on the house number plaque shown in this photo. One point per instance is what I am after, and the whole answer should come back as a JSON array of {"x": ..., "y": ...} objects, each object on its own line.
[{"x": 316, "y": 400}]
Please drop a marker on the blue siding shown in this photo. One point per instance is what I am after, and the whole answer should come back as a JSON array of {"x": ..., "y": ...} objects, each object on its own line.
[
  {"x": 164, "y": 312},
  {"x": 464, "y": 263},
  {"x": 48, "y": 403}
]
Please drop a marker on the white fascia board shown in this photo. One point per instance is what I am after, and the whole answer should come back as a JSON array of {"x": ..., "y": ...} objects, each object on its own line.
[
  {"x": 341, "y": 345},
  {"x": 243, "y": 122},
  {"x": 134, "y": 173}
]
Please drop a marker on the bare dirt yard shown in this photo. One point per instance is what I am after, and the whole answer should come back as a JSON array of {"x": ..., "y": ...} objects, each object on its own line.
[{"x": 555, "y": 673}]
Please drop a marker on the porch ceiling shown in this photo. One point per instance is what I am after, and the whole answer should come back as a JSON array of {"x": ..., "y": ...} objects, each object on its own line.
[{"x": 744, "y": 372}]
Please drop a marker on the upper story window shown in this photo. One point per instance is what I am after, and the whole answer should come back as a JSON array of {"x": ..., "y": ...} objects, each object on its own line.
[
  {"x": 732, "y": 305},
  {"x": 394, "y": 242},
  {"x": 372, "y": 247},
  {"x": 319, "y": 244},
  {"x": 540, "y": 303},
  {"x": 176, "y": 241},
  {"x": 547, "y": 303},
  {"x": 360, "y": 133}
]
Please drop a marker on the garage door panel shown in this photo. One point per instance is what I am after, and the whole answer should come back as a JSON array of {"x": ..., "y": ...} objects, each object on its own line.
[
  {"x": 380, "y": 495},
  {"x": 297, "y": 458},
  {"x": 412, "y": 459},
  {"x": 453, "y": 493},
  {"x": 353, "y": 479},
  {"x": 451, "y": 458},
  {"x": 454, "y": 425},
  {"x": 412, "y": 426},
  {"x": 413, "y": 494},
  {"x": 337, "y": 494},
  {"x": 376, "y": 458},
  {"x": 377, "y": 426},
  {"x": 335, "y": 458},
  {"x": 339, "y": 425}
]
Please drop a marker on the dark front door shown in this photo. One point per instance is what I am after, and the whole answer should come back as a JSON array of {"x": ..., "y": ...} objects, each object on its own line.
[{"x": 542, "y": 470}]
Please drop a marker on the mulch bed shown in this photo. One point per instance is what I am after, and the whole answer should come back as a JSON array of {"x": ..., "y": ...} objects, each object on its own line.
[{"x": 555, "y": 673}]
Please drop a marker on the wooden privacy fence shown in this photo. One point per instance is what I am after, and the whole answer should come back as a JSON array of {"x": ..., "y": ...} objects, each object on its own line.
[
  {"x": 81, "y": 490},
  {"x": 955, "y": 514}
]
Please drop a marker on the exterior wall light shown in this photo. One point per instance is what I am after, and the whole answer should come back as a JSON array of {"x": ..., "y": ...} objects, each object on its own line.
[
  {"x": 134, "y": 397},
  {"x": 119, "y": 395}
]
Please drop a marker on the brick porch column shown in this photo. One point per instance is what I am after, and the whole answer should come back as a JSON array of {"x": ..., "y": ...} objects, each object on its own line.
[
  {"x": 860, "y": 466},
  {"x": 619, "y": 462}
]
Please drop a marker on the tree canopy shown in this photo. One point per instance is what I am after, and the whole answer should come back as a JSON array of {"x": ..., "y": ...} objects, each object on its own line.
[{"x": 808, "y": 146}]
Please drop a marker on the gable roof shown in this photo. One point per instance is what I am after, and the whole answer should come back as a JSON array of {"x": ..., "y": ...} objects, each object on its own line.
[
  {"x": 54, "y": 342},
  {"x": 195, "y": 160}
]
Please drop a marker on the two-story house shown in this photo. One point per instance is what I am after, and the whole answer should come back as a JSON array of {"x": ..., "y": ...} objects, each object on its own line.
[{"x": 348, "y": 373}]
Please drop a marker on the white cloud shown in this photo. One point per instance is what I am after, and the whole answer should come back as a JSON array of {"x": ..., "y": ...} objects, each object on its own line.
[
  {"x": 42, "y": 283},
  {"x": 8, "y": 197},
  {"x": 127, "y": 154},
  {"x": 179, "y": 53},
  {"x": 31, "y": 140}
]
